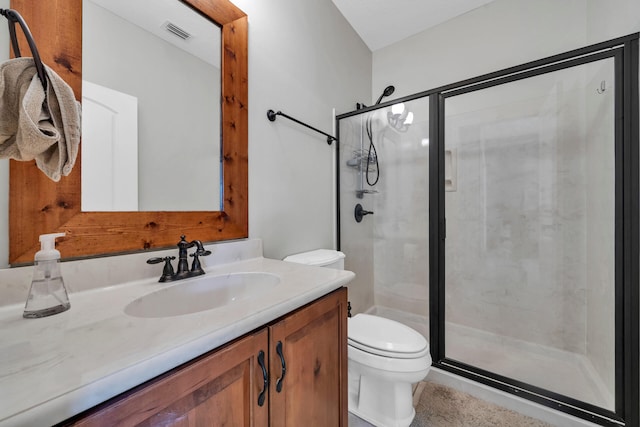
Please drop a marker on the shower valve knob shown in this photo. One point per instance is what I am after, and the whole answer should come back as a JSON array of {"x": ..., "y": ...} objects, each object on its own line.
[{"x": 360, "y": 212}]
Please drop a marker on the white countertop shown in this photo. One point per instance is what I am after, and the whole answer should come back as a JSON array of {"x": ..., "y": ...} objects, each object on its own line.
[{"x": 55, "y": 367}]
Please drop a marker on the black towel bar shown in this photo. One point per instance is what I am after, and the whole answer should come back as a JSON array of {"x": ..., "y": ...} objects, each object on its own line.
[{"x": 271, "y": 115}]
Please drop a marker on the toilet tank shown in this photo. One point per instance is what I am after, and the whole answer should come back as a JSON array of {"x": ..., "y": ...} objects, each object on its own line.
[{"x": 319, "y": 257}]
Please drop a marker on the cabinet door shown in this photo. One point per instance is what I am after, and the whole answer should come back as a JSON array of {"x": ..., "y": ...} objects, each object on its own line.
[
  {"x": 219, "y": 389},
  {"x": 313, "y": 344}
]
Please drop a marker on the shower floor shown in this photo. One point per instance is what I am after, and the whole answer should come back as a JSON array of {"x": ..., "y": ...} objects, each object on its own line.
[{"x": 560, "y": 371}]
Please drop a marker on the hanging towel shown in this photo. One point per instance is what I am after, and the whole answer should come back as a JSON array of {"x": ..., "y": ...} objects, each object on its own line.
[{"x": 35, "y": 125}]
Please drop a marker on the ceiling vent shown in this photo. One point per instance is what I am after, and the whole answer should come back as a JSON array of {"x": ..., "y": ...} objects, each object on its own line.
[{"x": 176, "y": 31}]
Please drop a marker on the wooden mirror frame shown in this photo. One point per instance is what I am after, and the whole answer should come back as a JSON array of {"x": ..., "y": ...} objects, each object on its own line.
[{"x": 38, "y": 205}]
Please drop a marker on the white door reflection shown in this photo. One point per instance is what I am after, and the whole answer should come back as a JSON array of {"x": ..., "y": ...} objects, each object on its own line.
[{"x": 110, "y": 160}]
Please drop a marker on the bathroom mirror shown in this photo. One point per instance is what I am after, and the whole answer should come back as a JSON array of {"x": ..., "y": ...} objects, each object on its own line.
[
  {"x": 38, "y": 205},
  {"x": 133, "y": 123}
]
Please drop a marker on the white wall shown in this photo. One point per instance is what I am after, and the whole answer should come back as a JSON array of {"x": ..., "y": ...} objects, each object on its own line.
[
  {"x": 304, "y": 59},
  {"x": 500, "y": 34}
]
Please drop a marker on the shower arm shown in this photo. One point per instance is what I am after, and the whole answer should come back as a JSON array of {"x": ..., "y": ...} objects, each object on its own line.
[{"x": 271, "y": 115}]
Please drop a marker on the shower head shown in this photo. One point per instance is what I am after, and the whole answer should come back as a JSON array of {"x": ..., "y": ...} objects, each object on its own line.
[{"x": 386, "y": 92}]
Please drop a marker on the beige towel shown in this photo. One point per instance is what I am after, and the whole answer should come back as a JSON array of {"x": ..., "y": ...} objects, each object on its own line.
[{"x": 34, "y": 128}]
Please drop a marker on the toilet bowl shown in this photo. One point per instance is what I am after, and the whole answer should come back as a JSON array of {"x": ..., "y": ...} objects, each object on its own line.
[{"x": 385, "y": 359}]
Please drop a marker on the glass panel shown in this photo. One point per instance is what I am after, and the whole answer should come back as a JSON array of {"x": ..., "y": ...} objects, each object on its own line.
[
  {"x": 389, "y": 249},
  {"x": 529, "y": 254}
]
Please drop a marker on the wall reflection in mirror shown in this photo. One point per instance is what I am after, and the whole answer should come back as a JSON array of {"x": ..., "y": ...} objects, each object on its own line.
[{"x": 151, "y": 107}]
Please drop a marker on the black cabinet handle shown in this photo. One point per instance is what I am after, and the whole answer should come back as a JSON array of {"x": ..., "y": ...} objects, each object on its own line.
[
  {"x": 284, "y": 367},
  {"x": 263, "y": 393}
]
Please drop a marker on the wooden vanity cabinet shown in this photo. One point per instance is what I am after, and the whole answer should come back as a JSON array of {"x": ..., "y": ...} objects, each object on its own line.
[
  {"x": 312, "y": 342},
  {"x": 218, "y": 389},
  {"x": 223, "y": 387}
]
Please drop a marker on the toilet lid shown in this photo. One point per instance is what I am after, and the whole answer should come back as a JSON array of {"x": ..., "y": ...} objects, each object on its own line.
[
  {"x": 386, "y": 337},
  {"x": 320, "y": 257}
]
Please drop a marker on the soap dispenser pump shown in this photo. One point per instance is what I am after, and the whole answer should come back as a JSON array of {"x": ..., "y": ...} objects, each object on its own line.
[{"x": 47, "y": 295}]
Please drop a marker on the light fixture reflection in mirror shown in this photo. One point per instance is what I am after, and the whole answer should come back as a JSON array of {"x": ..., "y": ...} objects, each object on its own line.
[
  {"x": 147, "y": 115},
  {"x": 399, "y": 117}
]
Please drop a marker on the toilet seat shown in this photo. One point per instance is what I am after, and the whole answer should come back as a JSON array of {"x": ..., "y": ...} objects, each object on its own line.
[
  {"x": 385, "y": 337},
  {"x": 376, "y": 365}
]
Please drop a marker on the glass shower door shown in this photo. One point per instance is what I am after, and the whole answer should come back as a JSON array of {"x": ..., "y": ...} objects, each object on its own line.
[
  {"x": 530, "y": 230},
  {"x": 384, "y": 169}
]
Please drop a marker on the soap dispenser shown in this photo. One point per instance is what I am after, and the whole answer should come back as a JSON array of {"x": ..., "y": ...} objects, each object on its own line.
[{"x": 47, "y": 295}]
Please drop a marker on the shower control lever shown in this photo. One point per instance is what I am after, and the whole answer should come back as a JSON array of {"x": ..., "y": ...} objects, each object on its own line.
[{"x": 360, "y": 212}]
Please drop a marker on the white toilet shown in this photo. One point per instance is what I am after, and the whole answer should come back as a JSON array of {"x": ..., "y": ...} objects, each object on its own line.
[{"x": 385, "y": 359}]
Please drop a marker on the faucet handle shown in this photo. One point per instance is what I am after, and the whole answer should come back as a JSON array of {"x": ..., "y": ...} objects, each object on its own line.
[
  {"x": 196, "y": 268},
  {"x": 167, "y": 271}
]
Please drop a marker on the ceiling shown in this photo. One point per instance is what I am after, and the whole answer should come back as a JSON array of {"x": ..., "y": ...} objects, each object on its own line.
[
  {"x": 383, "y": 22},
  {"x": 204, "y": 36},
  {"x": 378, "y": 22}
]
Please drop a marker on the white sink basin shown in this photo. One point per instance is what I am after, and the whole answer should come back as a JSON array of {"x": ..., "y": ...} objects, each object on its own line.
[{"x": 202, "y": 293}]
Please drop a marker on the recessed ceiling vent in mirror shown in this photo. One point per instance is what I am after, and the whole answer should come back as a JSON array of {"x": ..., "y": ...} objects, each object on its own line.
[{"x": 177, "y": 31}]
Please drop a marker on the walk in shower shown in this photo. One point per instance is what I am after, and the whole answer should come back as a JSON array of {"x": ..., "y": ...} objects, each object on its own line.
[{"x": 504, "y": 226}]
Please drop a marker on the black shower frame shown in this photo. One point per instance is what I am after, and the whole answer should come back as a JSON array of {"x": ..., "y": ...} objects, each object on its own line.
[{"x": 625, "y": 52}]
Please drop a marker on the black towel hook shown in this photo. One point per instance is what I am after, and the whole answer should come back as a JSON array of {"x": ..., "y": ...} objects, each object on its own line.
[{"x": 13, "y": 16}]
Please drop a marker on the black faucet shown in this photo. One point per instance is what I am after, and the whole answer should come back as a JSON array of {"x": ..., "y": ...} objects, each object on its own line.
[{"x": 168, "y": 274}]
